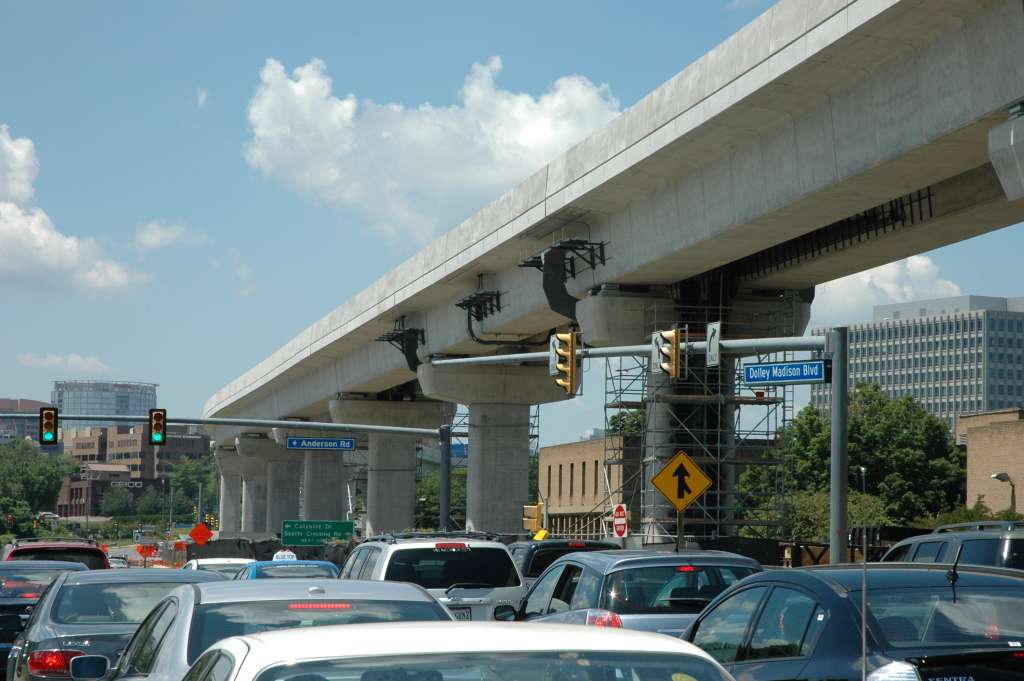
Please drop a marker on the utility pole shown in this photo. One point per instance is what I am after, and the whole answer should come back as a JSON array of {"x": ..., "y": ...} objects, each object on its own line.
[
  {"x": 840, "y": 473},
  {"x": 199, "y": 506}
]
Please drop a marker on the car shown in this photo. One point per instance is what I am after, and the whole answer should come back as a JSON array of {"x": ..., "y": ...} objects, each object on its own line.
[
  {"x": 21, "y": 585},
  {"x": 472, "y": 573},
  {"x": 94, "y": 611},
  {"x": 533, "y": 557},
  {"x": 927, "y": 622},
  {"x": 441, "y": 651},
  {"x": 118, "y": 562},
  {"x": 288, "y": 569},
  {"x": 228, "y": 567},
  {"x": 86, "y": 551},
  {"x": 192, "y": 618},
  {"x": 996, "y": 542},
  {"x": 657, "y": 591}
]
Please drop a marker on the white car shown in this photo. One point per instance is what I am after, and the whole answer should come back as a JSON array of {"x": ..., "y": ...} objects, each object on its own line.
[
  {"x": 471, "y": 573},
  {"x": 228, "y": 567},
  {"x": 439, "y": 651}
]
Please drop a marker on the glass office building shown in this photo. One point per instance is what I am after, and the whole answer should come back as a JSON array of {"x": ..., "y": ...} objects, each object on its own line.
[
  {"x": 102, "y": 398},
  {"x": 954, "y": 355}
]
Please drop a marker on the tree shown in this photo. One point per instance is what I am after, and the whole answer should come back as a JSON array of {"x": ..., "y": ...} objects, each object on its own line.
[
  {"x": 807, "y": 514},
  {"x": 151, "y": 502},
  {"x": 117, "y": 501},
  {"x": 912, "y": 465},
  {"x": 630, "y": 422},
  {"x": 428, "y": 499},
  {"x": 188, "y": 474},
  {"x": 30, "y": 478}
]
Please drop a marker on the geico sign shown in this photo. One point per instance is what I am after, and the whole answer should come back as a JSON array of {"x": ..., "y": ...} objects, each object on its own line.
[{"x": 126, "y": 483}]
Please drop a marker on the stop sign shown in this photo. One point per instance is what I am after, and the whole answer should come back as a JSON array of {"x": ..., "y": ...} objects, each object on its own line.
[{"x": 620, "y": 526}]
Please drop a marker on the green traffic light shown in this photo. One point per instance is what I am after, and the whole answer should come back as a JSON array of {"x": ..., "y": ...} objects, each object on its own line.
[
  {"x": 158, "y": 437},
  {"x": 48, "y": 436}
]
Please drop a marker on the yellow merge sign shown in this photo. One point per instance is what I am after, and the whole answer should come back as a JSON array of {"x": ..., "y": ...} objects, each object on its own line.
[{"x": 681, "y": 481}]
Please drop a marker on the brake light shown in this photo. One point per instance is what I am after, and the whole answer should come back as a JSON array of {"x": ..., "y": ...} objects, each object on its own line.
[
  {"x": 29, "y": 594},
  {"x": 686, "y": 568},
  {"x": 577, "y": 545},
  {"x": 317, "y": 605},
  {"x": 52, "y": 662},
  {"x": 603, "y": 618},
  {"x": 450, "y": 546}
]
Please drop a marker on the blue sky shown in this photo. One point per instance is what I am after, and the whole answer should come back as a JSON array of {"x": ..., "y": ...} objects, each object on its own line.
[{"x": 157, "y": 229}]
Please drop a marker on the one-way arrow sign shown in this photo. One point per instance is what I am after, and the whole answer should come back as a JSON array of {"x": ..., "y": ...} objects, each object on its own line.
[{"x": 682, "y": 481}]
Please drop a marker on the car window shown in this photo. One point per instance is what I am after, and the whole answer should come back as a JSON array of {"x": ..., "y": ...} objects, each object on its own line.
[
  {"x": 898, "y": 554},
  {"x": 818, "y": 620},
  {"x": 372, "y": 558},
  {"x": 24, "y": 581},
  {"x": 668, "y": 588},
  {"x": 930, "y": 552},
  {"x": 141, "y": 663},
  {"x": 108, "y": 603},
  {"x": 198, "y": 670},
  {"x": 138, "y": 638},
  {"x": 519, "y": 554},
  {"x": 39, "y": 607},
  {"x": 587, "y": 592},
  {"x": 354, "y": 564},
  {"x": 91, "y": 558},
  {"x": 540, "y": 595},
  {"x": 981, "y": 552},
  {"x": 782, "y": 624},
  {"x": 221, "y": 668},
  {"x": 564, "y": 589},
  {"x": 292, "y": 570},
  {"x": 721, "y": 632},
  {"x": 229, "y": 570},
  {"x": 448, "y": 563}
]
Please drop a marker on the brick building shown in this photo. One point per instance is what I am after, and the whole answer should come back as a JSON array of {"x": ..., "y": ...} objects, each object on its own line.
[
  {"x": 19, "y": 429},
  {"x": 995, "y": 444}
]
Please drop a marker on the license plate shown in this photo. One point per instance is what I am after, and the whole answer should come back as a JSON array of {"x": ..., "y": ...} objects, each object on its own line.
[{"x": 462, "y": 614}]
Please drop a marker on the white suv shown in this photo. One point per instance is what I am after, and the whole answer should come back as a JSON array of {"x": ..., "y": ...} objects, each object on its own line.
[{"x": 471, "y": 573}]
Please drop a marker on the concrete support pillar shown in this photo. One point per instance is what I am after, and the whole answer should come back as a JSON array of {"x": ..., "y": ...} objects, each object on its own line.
[
  {"x": 284, "y": 473},
  {"x": 324, "y": 477},
  {"x": 254, "y": 485},
  {"x": 230, "y": 465},
  {"x": 391, "y": 469},
  {"x": 497, "y": 485},
  {"x": 499, "y": 399}
]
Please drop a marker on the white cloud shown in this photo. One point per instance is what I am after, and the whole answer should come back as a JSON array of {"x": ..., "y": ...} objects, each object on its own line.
[
  {"x": 155, "y": 234},
  {"x": 850, "y": 299},
  {"x": 414, "y": 170},
  {"x": 71, "y": 362},
  {"x": 201, "y": 96},
  {"x": 33, "y": 251},
  {"x": 18, "y": 167}
]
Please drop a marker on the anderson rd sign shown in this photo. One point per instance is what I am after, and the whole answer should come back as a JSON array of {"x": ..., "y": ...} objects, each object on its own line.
[{"x": 812, "y": 371}]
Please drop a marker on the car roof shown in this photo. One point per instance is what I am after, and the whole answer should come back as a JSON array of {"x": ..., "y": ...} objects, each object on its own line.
[
  {"x": 140, "y": 575},
  {"x": 849, "y": 576},
  {"x": 43, "y": 564},
  {"x": 367, "y": 640},
  {"x": 273, "y": 563},
  {"x": 607, "y": 561},
  {"x": 563, "y": 543},
  {"x": 283, "y": 589},
  {"x": 20, "y": 545}
]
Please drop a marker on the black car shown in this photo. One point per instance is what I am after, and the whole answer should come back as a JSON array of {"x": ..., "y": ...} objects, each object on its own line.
[
  {"x": 91, "y": 612},
  {"x": 21, "y": 585},
  {"x": 926, "y": 622},
  {"x": 533, "y": 557}
]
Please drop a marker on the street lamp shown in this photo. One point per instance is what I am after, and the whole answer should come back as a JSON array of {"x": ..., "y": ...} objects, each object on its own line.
[{"x": 1004, "y": 477}]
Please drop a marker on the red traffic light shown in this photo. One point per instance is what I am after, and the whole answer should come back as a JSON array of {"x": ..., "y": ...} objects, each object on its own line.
[
  {"x": 48, "y": 425},
  {"x": 157, "y": 426}
]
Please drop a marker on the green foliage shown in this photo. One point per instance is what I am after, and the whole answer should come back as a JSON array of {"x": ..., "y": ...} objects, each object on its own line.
[
  {"x": 807, "y": 514},
  {"x": 533, "y": 480},
  {"x": 913, "y": 468},
  {"x": 30, "y": 481},
  {"x": 151, "y": 502},
  {"x": 629, "y": 422},
  {"x": 962, "y": 514},
  {"x": 428, "y": 503},
  {"x": 117, "y": 501},
  {"x": 188, "y": 474}
]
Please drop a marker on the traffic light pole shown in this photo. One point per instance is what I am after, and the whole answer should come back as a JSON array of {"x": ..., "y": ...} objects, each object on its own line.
[{"x": 840, "y": 472}]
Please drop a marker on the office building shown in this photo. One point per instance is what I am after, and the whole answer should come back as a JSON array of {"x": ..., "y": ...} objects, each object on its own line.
[
  {"x": 129, "y": 446},
  {"x": 102, "y": 398},
  {"x": 19, "y": 429},
  {"x": 994, "y": 463},
  {"x": 955, "y": 355}
]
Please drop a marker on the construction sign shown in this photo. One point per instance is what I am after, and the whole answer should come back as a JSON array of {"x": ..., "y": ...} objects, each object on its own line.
[{"x": 681, "y": 481}]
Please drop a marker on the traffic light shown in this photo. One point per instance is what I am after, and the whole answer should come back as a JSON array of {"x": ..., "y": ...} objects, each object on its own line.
[
  {"x": 666, "y": 353},
  {"x": 157, "y": 426},
  {"x": 562, "y": 361},
  {"x": 533, "y": 517},
  {"x": 48, "y": 425}
]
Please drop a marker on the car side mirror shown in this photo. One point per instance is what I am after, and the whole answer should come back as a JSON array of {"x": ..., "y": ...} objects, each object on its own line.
[
  {"x": 505, "y": 613},
  {"x": 89, "y": 667}
]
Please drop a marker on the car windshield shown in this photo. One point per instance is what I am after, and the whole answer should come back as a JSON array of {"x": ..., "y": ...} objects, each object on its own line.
[
  {"x": 91, "y": 558},
  {"x": 26, "y": 582},
  {"x": 227, "y": 569},
  {"x": 948, "y": 617},
  {"x": 216, "y": 621},
  {"x": 294, "y": 571},
  {"x": 123, "y": 603},
  {"x": 668, "y": 588},
  {"x": 504, "y": 666},
  {"x": 451, "y": 563}
]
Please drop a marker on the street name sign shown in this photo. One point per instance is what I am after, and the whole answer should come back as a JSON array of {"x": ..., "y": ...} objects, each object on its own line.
[
  {"x": 681, "y": 481},
  {"x": 314, "y": 532},
  {"x": 340, "y": 443},
  {"x": 776, "y": 373}
]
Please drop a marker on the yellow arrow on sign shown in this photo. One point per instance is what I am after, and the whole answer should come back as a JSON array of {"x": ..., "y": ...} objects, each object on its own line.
[{"x": 681, "y": 481}]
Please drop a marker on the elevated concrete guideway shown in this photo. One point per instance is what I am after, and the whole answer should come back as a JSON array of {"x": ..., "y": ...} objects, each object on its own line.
[{"x": 814, "y": 112}]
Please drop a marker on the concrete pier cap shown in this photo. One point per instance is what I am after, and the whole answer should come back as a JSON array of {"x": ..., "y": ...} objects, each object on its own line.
[
  {"x": 1006, "y": 152},
  {"x": 490, "y": 384},
  {"x": 609, "y": 317}
]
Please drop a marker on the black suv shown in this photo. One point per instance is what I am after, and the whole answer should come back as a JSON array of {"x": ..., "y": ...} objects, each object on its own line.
[
  {"x": 533, "y": 557},
  {"x": 997, "y": 543}
]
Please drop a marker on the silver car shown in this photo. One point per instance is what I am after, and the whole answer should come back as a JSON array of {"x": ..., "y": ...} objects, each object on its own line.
[{"x": 190, "y": 620}]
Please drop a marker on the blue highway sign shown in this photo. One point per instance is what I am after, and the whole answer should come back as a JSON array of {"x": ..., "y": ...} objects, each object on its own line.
[
  {"x": 813, "y": 371},
  {"x": 343, "y": 443}
]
